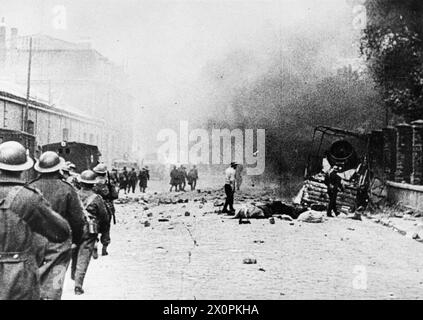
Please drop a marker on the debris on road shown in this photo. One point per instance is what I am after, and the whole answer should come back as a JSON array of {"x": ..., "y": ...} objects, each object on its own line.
[
  {"x": 285, "y": 217},
  {"x": 241, "y": 221},
  {"x": 311, "y": 217},
  {"x": 250, "y": 261}
]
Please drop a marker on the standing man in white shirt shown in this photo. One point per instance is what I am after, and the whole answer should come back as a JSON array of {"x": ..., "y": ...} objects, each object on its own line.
[{"x": 230, "y": 188}]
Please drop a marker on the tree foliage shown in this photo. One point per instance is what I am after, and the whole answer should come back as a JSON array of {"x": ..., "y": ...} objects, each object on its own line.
[{"x": 393, "y": 48}]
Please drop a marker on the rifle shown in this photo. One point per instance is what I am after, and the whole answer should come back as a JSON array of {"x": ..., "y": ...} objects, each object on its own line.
[{"x": 109, "y": 186}]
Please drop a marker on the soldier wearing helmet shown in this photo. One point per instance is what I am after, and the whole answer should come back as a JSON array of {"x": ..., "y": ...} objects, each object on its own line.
[
  {"x": 106, "y": 189},
  {"x": 65, "y": 201},
  {"x": 143, "y": 177},
  {"x": 70, "y": 174},
  {"x": 25, "y": 214},
  {"x": 96, "y": 222}
]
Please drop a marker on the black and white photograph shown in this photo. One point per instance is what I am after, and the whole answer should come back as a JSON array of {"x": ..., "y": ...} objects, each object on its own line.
[{"x": 232, "y": 151}]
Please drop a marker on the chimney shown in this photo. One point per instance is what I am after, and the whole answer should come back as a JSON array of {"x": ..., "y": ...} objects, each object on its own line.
[{"x": 14, "y": 38}]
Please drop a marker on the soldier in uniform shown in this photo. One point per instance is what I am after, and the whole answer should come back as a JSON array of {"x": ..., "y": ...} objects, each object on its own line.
[
  {"x": 107, "y": 191},
  {"x": 96, "y": 222},
  {"x": 114, "y": 176},
  {"x": 123, "y": 180},
  {"x": 192, "y": 177},
  {"x": 25, "y": 213},
  {"x": 143, "y": 177},
  {"x": 64, "y": 200},
  {"x": 174, "y": 179},
  {"x": 132, "y": 180},
  {"x": 182, "y": 178},
  {"x": 72, "y": 176}
]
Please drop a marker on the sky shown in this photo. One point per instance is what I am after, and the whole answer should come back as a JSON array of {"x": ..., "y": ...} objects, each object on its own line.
[{"x": 167, "y": 46}]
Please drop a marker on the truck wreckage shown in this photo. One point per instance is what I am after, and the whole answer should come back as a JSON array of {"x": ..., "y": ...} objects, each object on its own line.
[{"x": 351, "y": 151}]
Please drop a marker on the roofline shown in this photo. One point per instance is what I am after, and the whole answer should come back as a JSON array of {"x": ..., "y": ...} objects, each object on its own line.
[
  {"x": 34, "y": 104},
  {"x": 75, "y": 44},
  {"x": 71, "y": 143}
]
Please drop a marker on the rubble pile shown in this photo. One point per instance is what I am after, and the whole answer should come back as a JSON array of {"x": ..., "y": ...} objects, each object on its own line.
[
  {"x": 311, "y": 216},
  {"x": 315, "y": 192}
]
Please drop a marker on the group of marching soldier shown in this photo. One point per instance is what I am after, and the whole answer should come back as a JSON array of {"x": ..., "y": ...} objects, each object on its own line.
[
  {"x": 179, "y": 177},
  {"x": 50, "y": 223},
  {"x": 128, "y": 179}
]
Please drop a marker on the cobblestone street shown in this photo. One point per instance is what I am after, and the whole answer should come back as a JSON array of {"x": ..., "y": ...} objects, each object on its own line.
[{"x": 200, "y": 256}]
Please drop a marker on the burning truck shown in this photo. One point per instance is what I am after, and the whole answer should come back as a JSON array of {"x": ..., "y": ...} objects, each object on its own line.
[{"x": 349, "y": 151}]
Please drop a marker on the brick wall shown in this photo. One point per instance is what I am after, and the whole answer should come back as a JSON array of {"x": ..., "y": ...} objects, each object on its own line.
[{"x": 402, "y": 158}]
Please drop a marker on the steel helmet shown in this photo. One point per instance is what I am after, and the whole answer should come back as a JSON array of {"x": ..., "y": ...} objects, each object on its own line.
[
  {"x": 49, "y": 162},
  {"x": 101, "y": 168},
  {"x": 13, "y": 157},
  {"x": 88, "y": 177}
]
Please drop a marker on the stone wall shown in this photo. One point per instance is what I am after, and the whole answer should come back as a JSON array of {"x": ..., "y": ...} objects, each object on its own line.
[{"x": 402, "y": 163}]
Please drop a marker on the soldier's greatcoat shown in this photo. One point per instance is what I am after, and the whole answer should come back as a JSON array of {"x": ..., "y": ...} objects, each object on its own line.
[
  {"x": 29, "y": 213},
  {"x": 108, "y": 193},
  {"x": 81, "y": 255},
  {"x": 56, "y": 257}
]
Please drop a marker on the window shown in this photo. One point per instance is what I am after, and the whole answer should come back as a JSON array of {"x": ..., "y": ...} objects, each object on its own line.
[
  {"x": 30, "y": 126},
  {"x": 65, "y": 135}
]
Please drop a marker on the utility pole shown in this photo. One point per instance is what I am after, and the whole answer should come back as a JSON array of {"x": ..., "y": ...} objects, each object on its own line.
[{"x": 28, "y": 88}]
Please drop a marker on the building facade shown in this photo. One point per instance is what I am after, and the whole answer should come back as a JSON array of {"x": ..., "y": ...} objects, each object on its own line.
[
  {"x": 50, "y": 124},
  {"x": 72, "y": 79}
]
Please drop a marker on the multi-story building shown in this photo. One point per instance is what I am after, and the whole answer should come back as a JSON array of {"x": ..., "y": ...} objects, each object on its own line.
[
  {"x": 73, "y": 77},
  {"x": 50, "y": 124}
]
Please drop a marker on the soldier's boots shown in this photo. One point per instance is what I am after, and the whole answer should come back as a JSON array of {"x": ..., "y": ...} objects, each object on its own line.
[
  {"x": 95, "y": 253},
  {"x": 79, "y": 291},
  {"x": 104, "y": 251}
]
